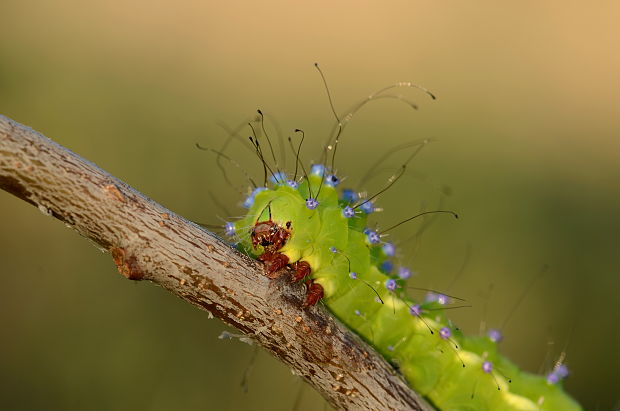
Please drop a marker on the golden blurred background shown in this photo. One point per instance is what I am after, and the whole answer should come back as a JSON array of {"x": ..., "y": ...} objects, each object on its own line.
[{"x": 526, "y": 122}]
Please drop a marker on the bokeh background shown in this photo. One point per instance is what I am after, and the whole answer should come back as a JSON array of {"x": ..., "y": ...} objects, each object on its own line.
[{"x": 527, "y": 151}]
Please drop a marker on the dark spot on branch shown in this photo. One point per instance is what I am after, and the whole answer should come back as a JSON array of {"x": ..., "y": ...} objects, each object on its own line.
[
  {"x": 13, "y": 186},
  {"x": 127, "y": 266}
]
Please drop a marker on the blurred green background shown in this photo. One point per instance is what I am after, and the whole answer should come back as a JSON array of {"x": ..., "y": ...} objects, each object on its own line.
[{"x": 527, "y": 125}]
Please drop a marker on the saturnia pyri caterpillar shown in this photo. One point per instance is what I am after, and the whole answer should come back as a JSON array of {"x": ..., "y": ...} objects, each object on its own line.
[{"x": 303, "y": 220}]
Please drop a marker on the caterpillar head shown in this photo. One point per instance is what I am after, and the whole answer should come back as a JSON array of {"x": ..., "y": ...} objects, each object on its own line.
[{"x": 270, "y": 235}]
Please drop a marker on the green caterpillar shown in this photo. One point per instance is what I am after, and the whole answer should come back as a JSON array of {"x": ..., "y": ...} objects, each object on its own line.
[
  {"x": 325, "y": 238},
  {"x": 323, "y": 234}
]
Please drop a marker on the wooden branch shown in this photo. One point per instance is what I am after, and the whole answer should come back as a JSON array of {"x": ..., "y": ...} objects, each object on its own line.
[{"x": 149, "y": 242}]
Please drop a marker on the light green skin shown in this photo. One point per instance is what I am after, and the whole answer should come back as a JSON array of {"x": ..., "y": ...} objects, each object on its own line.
[{"x": 430, "y": 364}]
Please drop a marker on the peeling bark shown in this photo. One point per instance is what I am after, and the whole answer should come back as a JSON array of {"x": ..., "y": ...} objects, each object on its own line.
[{"x": 149, "y": 242}]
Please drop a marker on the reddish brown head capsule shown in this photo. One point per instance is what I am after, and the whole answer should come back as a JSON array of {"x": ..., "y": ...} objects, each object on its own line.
[{"x": 269, "y": 235}]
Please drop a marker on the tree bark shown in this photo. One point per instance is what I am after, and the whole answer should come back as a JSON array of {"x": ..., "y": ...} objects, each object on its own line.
[{"x": 149, "y": 242}]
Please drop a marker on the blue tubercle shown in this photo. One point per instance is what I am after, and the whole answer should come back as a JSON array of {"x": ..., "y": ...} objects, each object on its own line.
[
  {"x": 415, "y": 310},
  {"x": 348, "y": 212},
  {"x": 445, "y": 333},
  {"x": 312, "y": 203},
  {"x": 495, "y": 335},
  {"x": 388, "y": 249},
  {"x": 349, "y": 195},
  {"x": 292, "y": 184},
  {"x": 437, "y": 297},
  {"x": 317, "y": 170},
  {"x": 404, "y": 273},
  {"x": 372, "y": 237},
  {"x": 560, "y": 371},
  {"x": 229, "y": 229},
  {"x": 391, "y": 284},
  {"x": 278, "y": 178},
  {"x": 387, "y": 266},
  {"x": 553, "y": 378},
  {"x": 332, "y": 181},
  {"x": 367, "y": 207},
  {"x": 249, "y": 201}
]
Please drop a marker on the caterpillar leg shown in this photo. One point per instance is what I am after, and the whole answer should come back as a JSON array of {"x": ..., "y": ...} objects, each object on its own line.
[
  {"x": 314, "y": 293},
  {"x": 302, "y": 270},
  {"x": 274, "y": 262}
]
